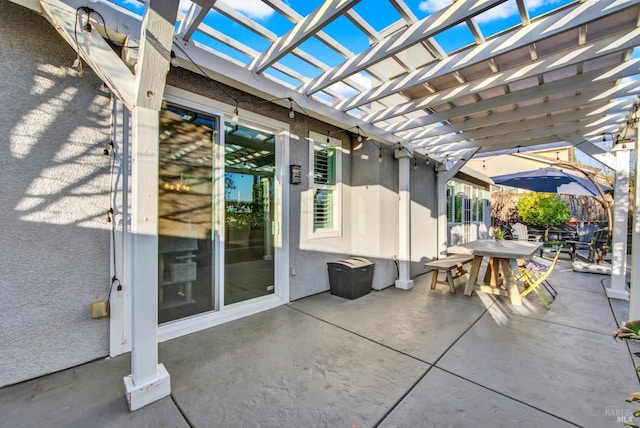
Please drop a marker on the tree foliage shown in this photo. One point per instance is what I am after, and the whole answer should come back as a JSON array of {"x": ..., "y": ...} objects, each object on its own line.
[{"x": 543, "y": 209}]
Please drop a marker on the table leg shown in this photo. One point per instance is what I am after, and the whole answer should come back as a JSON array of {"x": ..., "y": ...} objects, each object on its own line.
[
  {"x": 452, "y": 286},
  {"x": 434, "y": 278},
  {"x": 510, "y": 282},
  {"x": 493, "y": 272},
  {"x": 473, "y": 275}
]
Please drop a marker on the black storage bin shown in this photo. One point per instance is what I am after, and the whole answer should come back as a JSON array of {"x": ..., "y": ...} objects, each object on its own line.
[{"x": 350, "y": 278}]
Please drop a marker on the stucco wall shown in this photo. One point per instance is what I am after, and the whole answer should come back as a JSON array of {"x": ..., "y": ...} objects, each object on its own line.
[{"x": 55, "y": 196}]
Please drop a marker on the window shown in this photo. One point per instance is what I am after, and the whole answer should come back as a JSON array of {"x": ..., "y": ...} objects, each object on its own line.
[
  {"x": 325, "y": 164},
  {"x": 464, "y": 203}
]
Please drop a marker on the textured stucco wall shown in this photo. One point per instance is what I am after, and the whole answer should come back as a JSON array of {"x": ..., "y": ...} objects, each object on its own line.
[{"x": 54, "y": 190}]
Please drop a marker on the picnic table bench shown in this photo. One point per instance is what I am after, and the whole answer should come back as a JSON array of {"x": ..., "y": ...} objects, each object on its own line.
[{"x": 449, "y": 264}]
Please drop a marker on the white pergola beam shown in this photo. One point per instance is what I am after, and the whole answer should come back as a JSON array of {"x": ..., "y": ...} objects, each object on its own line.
[
  {"x": 584, "y": 80},
  {"x": 156, "y": 39},
  {"x": 576, "y": 116},
  {"x": 420, "y": 31},
  {"x": 584, "y": 100},
  {"x": 239, "y": 77},
  {"x": 193, "y": 19},
  {"x": 520, "y": 137},
  {"x": 307, "y": 27},
  {"x": 547, "y": 64},
  {"x": 593, "y": 151},
  {"x": 543, "y": 28},
  {"x": 94, "y": 50}
]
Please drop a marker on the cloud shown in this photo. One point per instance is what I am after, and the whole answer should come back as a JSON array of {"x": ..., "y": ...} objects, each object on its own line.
[
  {"x": 501, "y": 11},
  {"x": 431, "y": 6},
  {"x": 255, "y": 9},
  {"x": 347, "y": 91},
  {"x": 184, "y": 6}
]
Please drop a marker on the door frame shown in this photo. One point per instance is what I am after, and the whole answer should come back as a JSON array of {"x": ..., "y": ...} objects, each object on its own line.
[{"x": 119, "y": 324}]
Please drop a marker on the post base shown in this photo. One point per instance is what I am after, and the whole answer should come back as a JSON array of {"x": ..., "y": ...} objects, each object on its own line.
[
  {"x": 617, "y": 294},
  {"x": 404, "y": 284},
  {"x": 140, "y": 395}
]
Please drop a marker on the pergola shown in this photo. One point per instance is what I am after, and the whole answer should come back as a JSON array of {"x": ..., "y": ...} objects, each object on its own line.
[{"x": 564, "y": 77}]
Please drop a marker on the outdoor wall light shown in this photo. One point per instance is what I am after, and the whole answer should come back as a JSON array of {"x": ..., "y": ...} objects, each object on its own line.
[
  {"x": 234, "y": 119},
  {"x": 380, "y": 155},
  {"x": 292, "y": 112},
  {"x": 107, "y": 148},
  {"x": 174, "y": 60}
]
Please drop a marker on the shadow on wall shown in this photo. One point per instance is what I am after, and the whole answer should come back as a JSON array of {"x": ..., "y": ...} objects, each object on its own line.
[{"x": 55, "y": 199}]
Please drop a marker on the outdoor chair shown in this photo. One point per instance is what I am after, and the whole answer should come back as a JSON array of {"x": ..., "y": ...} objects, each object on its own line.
[
  {"x": 594, "y": 251},
  {"x": 535, "y": 280},
  {"x": 521, "y": 233}
]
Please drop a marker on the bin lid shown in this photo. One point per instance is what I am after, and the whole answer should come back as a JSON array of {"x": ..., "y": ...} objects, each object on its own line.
[{"x": 352, "y": 262}]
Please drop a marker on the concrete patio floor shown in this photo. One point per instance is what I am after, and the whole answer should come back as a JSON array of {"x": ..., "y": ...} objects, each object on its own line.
[{"x": 422, "y": 358}]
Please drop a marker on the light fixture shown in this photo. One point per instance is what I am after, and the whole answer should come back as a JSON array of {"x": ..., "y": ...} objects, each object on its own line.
[
  {"x": 359, "y": 137},
  {"x": 108, "y": 148},
  {"x": 415, "y": 163},
  {"x": 557, "y": 156},
  {"x": 77, "y": 65},
  {"x": 328, "y": 140},
  {"x": 292, "y": 112},
  {"x": 483, "y": 165},
  {"x": 174, "y": 60},
  {"x": 380, "y": 155},
  {"x": 234, "y": 119},
  {"x": 428, "y": 161}
]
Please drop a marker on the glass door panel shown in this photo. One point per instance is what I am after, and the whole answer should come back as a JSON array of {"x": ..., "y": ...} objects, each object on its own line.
[
  {"x": 249, "y": 213},
  {"x": 186, "y": 277}
]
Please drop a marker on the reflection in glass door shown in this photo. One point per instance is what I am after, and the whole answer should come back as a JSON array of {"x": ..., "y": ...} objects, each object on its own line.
[
  {"x": 249, "y": 213},
  {"x": 186, "y": 277}
]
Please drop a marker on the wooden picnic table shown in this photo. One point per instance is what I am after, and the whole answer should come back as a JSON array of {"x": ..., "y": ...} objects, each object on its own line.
[{"x": 503, "y": 256}]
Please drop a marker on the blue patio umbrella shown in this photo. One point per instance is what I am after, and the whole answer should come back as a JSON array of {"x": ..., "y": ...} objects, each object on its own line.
[{"x": 548, "y": 180}]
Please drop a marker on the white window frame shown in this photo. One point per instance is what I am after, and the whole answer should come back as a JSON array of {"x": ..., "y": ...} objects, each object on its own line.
[{"x": 316, "y": 138}]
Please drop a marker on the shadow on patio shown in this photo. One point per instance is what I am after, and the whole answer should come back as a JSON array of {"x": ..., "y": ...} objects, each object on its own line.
[{"x": 391, "y": 358}]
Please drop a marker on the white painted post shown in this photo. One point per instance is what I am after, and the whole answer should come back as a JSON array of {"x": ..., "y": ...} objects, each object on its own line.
[
  {"x": 441, "y": 188},
  {"x": 634, "y": 298},
  {"x": 618, "y": 289},
  {"x": 148, "y": 381},
  {"x": 404, "y": 219}
]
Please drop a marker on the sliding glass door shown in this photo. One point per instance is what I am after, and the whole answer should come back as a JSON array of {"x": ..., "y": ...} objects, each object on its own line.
[
  {"x": 186, "y": 213},
  {"x": 216, "y": 213},
  {"x": 249, "y": 214}
]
